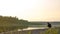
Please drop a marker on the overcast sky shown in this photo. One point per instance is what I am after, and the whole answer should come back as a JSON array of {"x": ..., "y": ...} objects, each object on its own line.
[{"x": 32, "y": 10}]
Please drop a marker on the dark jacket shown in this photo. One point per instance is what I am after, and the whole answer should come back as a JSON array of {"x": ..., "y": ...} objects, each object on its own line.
[{"x": 49, "y": 25}]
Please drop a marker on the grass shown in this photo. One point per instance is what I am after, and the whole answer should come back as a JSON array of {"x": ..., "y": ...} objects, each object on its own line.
[
  {"x": 52, "y": 31},
  {"x": 48, "y": 31},
  {"x": 29, "y": 32}
]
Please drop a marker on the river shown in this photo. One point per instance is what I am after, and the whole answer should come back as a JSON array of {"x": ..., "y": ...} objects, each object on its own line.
[{"x": 32, "y": 28}]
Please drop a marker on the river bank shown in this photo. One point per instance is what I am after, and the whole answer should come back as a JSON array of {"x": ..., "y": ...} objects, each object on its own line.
[{"x": 34, "y": 30}]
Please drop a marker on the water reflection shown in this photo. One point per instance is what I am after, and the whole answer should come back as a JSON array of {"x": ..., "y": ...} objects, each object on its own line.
[{"x": 32, "y": 28}]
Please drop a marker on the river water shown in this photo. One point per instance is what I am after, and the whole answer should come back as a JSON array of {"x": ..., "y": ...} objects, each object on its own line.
[
  {"x": 43, "y": 27},
  {"x": 32, "y": 28}
]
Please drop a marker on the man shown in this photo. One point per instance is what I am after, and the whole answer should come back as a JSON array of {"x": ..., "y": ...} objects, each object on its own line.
[{"x": 49, "y": 25}]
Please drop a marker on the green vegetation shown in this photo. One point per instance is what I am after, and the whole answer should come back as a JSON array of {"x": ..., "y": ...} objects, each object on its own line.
[
  {"x": 11, "y": 23},
  {"x": 8, "y": 23},
  {"x": 29, "y": 32},
  {"x": 52, "y": 31}
]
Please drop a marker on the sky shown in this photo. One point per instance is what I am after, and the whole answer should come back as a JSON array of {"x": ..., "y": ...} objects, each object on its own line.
[{"x": 31, "y": 10}]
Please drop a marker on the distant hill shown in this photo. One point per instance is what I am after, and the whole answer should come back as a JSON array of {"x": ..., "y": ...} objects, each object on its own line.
[{"x": 44, "y": 23}]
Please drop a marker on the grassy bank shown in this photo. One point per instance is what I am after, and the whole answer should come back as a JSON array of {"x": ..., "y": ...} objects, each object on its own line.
[{"x": 55, "y": 30}]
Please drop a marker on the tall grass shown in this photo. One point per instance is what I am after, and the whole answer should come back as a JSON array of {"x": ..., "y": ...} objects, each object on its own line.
[
  {"x": 29, "y": 32},
  {"x": 51, "y": 31}
]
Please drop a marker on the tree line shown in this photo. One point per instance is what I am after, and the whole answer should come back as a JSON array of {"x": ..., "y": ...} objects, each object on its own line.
[{"x": 8, "y": 23}]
